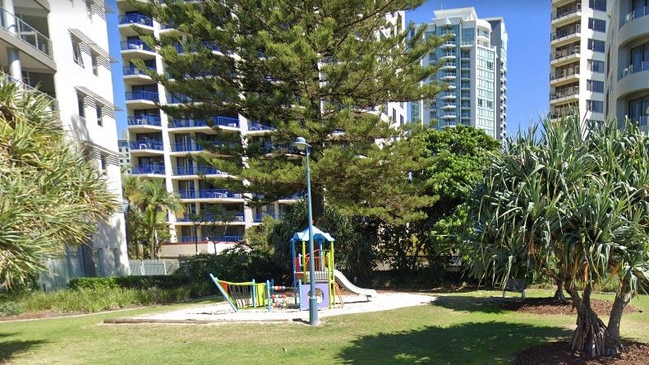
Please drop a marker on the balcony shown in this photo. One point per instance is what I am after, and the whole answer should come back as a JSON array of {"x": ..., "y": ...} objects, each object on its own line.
[
  {"x": 148, "y": 170},
  {"x": 136, "y": 19},
  {"x": 185, "y": 171},
  {"x": 134, "y": 71},
  {"x": 447, "y": 75},
  {"x": 565, "y": 33},
  {"x": 564, "y": 55},
  {"x": 640, "y": 12},
  {"x": 631, "y": 69},
  {"x": 26, "y": 33},
  {"x": 209, "y": 170},
  {"x": 134, "y": 45},
  {"x": 144, "y": 120},
  {"x": 564, "y": 93},
  {"x": 192, "y": 123},
  {"x": 447, "y": 44},
  {"x": 256, "y": 126},
  {"x": 448, "y": 56},
  {"x": 564, "y": 74},
  {"x": 451, "y": 115},
  {"x": 193, "y": 239},
  {"x": 565, "y": 13},
  {"x": 179, "y": 99},
  {"x": 219, "y": 194},
  {"x": 142, "y": 95},
  {"x": 146, "y": 144}
]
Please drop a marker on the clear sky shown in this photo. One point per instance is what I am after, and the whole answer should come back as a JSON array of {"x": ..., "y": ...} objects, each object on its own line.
[{"x": 528, "y": 27}]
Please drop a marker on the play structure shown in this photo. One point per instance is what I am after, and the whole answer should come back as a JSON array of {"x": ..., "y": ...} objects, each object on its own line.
[{"x": 328, "y": 280}]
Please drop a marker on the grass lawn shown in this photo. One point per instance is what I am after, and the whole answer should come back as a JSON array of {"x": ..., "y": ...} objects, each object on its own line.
[{"x": 456, "y": 329}]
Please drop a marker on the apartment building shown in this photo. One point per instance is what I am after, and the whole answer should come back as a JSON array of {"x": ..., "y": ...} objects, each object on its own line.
[
  {"x": 475, "y": 69},
  {"x": 61, "y": 47},
  {"x": 627, "y": 54},
  {"x": 578, "y": 58}
]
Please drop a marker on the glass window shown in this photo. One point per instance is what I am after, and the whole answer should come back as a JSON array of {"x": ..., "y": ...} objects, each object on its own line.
[
  {"x": 596, "y": 66},
  {"x": 595, "y": 106},
  {"x": 595, "y": 86},
  {"x": 597, "y": 25},
  {"x": 467, "y": 34},
  {"x": 596, "y": 45},
  {"x": 597, "y": 4}
]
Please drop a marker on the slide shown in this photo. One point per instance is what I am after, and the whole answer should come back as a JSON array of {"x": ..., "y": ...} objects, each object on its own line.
[{"x": 345, "y": 283}]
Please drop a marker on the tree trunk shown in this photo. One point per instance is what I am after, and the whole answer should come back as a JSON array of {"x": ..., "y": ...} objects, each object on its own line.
[
  {"x": 590, "y": 335},
  {"x": 317, "y": 206},
  {"x": 558, "y": 294},
  {"x": 622, "y": 298}
]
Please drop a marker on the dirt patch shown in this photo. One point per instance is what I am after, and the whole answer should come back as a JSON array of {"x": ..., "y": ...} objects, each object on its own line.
[{"x": 559, "y": 353}]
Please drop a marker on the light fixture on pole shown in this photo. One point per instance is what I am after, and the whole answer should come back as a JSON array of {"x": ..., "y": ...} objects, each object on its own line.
[{"x": 300, "y": 144}]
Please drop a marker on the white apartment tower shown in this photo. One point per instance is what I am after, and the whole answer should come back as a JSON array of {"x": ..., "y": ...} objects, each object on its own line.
[
  {"x": 627, "y": 72},
  {"x": 62, "y": 48},
  {"x": 577, "y": 58},
  {"x": 475, "y": 70}
]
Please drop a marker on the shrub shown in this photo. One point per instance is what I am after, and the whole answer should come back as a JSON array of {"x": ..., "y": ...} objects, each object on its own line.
[{"x": 11, "y": 308}]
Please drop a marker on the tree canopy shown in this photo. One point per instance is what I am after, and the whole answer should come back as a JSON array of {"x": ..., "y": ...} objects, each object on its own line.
[
  {"x": 323, "y": 70},
  {"x": 570, "y": 203},
  {"x": 51, "y": 193}
]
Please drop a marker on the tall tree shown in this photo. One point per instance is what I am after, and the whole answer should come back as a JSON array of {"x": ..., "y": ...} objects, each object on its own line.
[
  {"x": 323, "y": 70},
  {"x": 572, "y": 205},
  {"x": 147, "y": 199},
  {"x": 51, "y": 193}
]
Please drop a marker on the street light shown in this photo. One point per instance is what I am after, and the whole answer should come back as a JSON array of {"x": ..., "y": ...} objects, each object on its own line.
[{"x": 300, "y": 144}]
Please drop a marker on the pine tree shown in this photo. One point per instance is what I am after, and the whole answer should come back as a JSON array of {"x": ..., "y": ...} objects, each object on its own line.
[{"x": 323, "y": 70}]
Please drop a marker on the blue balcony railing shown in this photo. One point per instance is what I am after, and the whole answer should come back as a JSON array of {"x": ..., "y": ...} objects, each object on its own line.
[
  {"x": 184, "y": 171},
  {"x": 187, "y": 194},
  {"x": 151, "y": 120},
  {"x": 179, "y": 99},
  {"x": 238, "y": 217},
  {"x": 134, "y": 71},
  {"x": 142, "y": 95},
  {"x": 187, "y": 123},
  {"x": 135, "y": 18},
  {"x": 208, "y": 170},
  {"x": 135, "y": 45},
  {"x": 218, "y": 194},
  {"x": 148, "y": 169},
  {"x": 146, "y": 145},
  {"x": 256, "y": 126},
  {"x": 193, "y": 239}
]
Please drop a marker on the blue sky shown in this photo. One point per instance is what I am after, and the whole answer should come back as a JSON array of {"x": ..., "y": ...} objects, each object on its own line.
[{"x": 528, "y": 27}]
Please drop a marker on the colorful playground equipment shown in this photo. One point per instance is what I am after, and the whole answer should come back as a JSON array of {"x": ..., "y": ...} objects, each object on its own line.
[{"x": 327, "y": 279}]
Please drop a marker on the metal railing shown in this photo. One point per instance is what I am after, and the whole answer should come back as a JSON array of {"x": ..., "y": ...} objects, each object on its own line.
[
  {"x": 146, "y": 145},
  {"x": 148, "y": 169},
  {"x": 151, "y": 120},
  {"x": 135, "y": 18},
  {"x": 142, "y": 95},
  {"x": 26, "y": 32},
  {"x": 631, "y": 69},
  {"x": 135, "y": 45}
]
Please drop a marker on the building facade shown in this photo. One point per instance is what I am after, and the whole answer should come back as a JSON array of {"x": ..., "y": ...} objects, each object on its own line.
[
  {"x": 578, "y": 58},
  {"x": 61, "y": 47},
  {"x": 475, "y": 70},
  {"x": 627, "y": 72}
]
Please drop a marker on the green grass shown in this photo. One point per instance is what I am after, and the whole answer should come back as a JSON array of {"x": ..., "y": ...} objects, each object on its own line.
[{"x": 456, "y": 329}]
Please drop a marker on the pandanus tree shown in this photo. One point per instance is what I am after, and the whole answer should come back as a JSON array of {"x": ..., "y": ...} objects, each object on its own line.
[
  {"x": 51, "y": 193},
  {"x": 568, "y": 201}
]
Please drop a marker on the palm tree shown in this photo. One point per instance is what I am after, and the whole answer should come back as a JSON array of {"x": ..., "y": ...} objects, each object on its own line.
[
  {"x": 570, "y": 205},
  {"x": 152, "y": 198},
  {"x": 51, "y": 193}
]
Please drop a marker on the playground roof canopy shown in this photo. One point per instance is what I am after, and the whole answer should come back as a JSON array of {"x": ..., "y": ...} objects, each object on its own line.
[{"x": 318, "y": 235}]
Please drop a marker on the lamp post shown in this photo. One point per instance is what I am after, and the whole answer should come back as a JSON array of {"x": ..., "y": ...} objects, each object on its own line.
[{"x": 300, "y": 144}]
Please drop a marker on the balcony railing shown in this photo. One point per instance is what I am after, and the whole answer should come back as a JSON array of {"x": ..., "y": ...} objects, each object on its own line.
[
  {"x": 179, "y": 99},
  {"x": 208, "y": 170},
  {"x": 148, "y": 169},
  {"x": 146, "y": 145},
  {"x": 134, "y": 71},
  {"x": 142, "y": 95},
  {"x": 631, "y": 69},
  {"x": 563, "y": 93},
  {"x": 218, "y": 194},
  {"x": 26, "y": 32},
  {"x": 564, "y": 53},
  {"x": 560, "y": 74},
  {"x": 256, "y": 126},
  {"x": 637, "y": 13},
  {"x": 53, "y": 102},
  {"x": 565, "y": 32},
  {"x": 135, "y": 44},
  {"x": 566, "y": 11},
  {"x": 135, "y": 18},
  {"x": 151, "y": 120},
  {"x": 193, "y": 239},
  {"x": 184, "y": 171}
]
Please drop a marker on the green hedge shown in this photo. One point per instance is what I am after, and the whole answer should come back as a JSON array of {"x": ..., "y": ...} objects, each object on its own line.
[{"x": 131, "y": 282}]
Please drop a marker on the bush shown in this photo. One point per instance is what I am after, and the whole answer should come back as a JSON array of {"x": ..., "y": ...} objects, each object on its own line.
[{"x": 11, "y": 308}]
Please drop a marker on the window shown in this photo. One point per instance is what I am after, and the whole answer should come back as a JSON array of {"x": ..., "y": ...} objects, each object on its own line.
[
  {"x": 95, "y": 63},
  {"x": 597, "y": 25},
  {"x": 103, "y": 165},
  {"x": 100, "y": 115},
  {"x": 595, "y": 86},
  {"x": 640, "y": 58},
  {"x": 597, "y": 5},
  {"x": 639, "y": 109},
  {"x": 596, "y": 66},
  {"x": 81, "y": 106},
  {"x": 467, "y": 34},
  {"x": 76, "y": 51},
  {"x": 595, "y": 106},
  {"x": 596, "y": 45}
]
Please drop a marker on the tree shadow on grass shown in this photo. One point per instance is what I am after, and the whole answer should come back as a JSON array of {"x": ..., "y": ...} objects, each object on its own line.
[
  {"x": 469, "y": 304},
  {"x": 9, "y": 348},
  {"x": 466, "y": 343}
]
